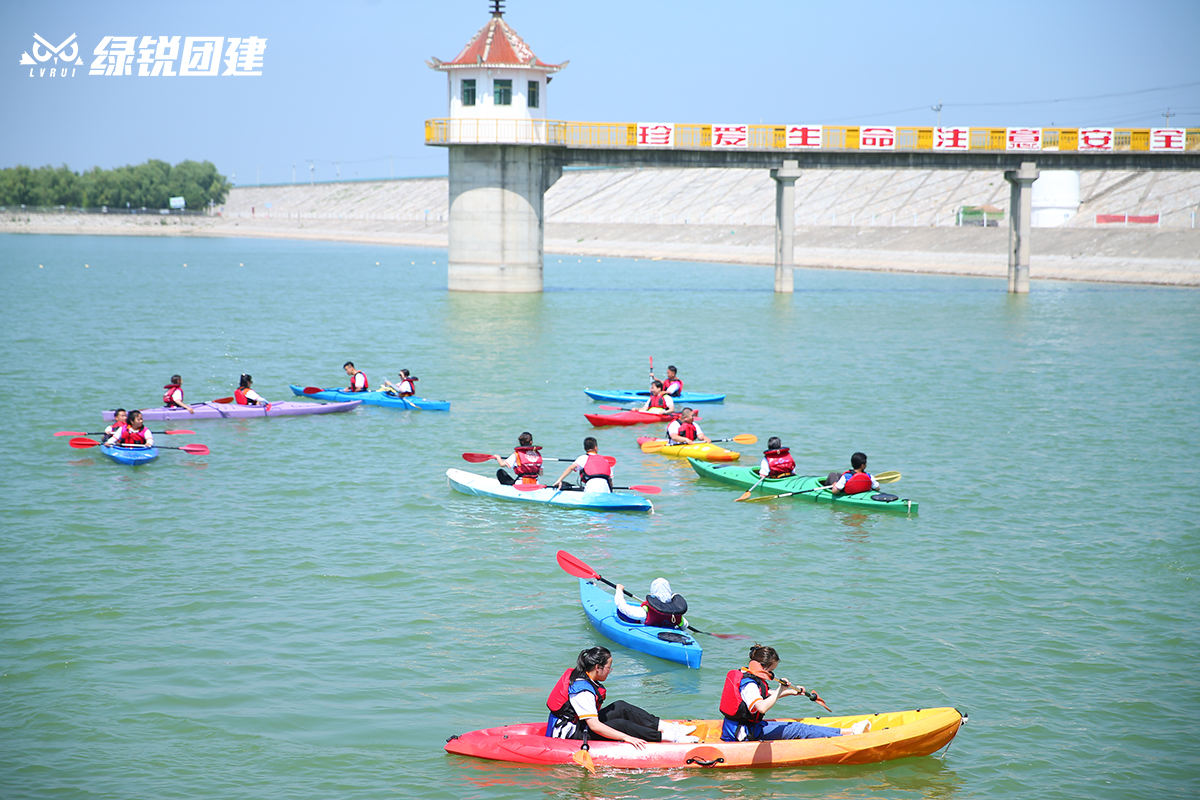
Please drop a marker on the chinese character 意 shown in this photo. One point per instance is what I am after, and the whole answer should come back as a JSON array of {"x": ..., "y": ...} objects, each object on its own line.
[
  {"x": 1095, "y": 138},
  {"x": 156, "y": 57},
  {"x": 1024, "y": 139},
  {"x": 655, "y": 134},
  {"x": 873, "y": 138},
  {"x": 730, "y": 136},
  {"x": 114, "y": 56},
  {"x": 201, "y": 55},
  {"x": 1167, "y": 138},
  {"x": 244, "y": 56},
  {"x": 807, "y": 137},
  {"x": 951, "y": 138}
]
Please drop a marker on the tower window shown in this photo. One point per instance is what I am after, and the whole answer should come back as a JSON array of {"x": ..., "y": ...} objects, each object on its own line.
[
  {"x": 468, "y": 92},
  {"x": 503, "y": 92},
  {"x": 533, "y": 94}
]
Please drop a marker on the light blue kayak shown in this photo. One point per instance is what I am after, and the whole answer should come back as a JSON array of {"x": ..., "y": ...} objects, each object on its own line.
[
  {"x": 484, "y": 486},
  {"x": 131, "y": 454},
  {"x": 668, "y": 643},
  {"x": 375, "y": 399},
  {"x": 640, "y": 397}
]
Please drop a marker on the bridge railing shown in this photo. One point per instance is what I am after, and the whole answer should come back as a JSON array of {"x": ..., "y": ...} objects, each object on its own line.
[{"x": 688, "y": 136}]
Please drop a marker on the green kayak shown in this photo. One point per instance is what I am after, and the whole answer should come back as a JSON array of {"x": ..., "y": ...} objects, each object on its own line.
[{"x": 745, "y": 477}]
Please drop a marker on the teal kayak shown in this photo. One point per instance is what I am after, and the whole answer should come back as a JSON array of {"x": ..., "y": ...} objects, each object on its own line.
[
  {"x": 130, "y": 454},
  {"x": 745, "y": 477},
  {"x": 669, "y": 643},
  {"x": 375, "y": 399}
]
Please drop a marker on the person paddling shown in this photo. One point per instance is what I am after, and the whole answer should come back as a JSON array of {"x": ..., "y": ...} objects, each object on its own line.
[
  {"x": 856, "y": 480},
  {"x": 119, "y": 419},
  {"x": 747, "y": 697},
  {"x": 245, "y": 396},
  {"x": 173, "y": 396},
  {"x": 672, "y": 386},
  {"x": 407, "y": 386},
  {"x": 358, "y": 380},
  {"x": 595, "y": 473},
  {"x": 577, "y": 709},
  {"x": 661, "y": 609},
  {"x": 658, "y": 403},
  {"x": 777, "y": 460},
  {"x": 525, "y": 462},
  {"x": 684, "y": 430},
  {"x": 133, "y": 432}
]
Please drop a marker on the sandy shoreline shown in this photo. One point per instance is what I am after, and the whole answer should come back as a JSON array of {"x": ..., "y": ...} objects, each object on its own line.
[{"x": 1149, "y": 256}]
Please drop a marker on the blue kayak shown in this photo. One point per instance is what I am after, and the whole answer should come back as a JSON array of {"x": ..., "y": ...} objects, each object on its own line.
[
  {"x": 130, "y": 454},
  {"x": 668, "y": 643},
  {"x": 375, "y": 399},
  {"x": 641, "y": 397}
]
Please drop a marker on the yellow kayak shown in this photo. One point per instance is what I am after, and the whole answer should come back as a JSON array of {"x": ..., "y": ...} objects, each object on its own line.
[{"x": 700, "y": 452}]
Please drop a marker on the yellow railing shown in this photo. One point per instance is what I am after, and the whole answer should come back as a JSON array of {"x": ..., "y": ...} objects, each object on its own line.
[{"x": 686, "y": 136}]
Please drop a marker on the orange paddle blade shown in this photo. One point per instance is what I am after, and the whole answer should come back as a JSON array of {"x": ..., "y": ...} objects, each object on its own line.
[{"x": 584, "y": 759}]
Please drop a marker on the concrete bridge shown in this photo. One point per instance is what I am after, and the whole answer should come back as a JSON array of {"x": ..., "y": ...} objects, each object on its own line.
[{"x": 500, "y": 170}]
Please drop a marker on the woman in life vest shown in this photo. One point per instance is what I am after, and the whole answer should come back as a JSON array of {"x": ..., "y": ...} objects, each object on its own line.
[
  {"x": 662, "y": 608},
  {"x": 245, "y": 396},
  {"x": 173, "y": 396},
  {"x": 595, "y": 473},
  {"x": 747, "y": 697},
  {"x": 659, "y": 402},
  {"x": 525, "y": 461},
  {"x": 358, "y": 380},
  {"x": 577, "y": 709},
  {"x": 855, "y": 481},
  {"x": 777, "y": 460},
  {"x": 685, "y": 430},
  {"x": 119, "y": 420},
  {"x": 407, "y": 386},
  {"x": 133, "y": 432}
]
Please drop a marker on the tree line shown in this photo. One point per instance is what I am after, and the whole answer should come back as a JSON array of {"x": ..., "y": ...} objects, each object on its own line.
[{"x": 149, "y": 185}]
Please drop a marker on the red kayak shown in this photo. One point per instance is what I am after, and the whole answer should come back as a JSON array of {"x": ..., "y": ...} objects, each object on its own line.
[{"x": 630, "y": 418}]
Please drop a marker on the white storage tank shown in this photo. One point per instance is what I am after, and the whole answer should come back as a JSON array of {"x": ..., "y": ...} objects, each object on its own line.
[{"x": 1055, "y": 198}]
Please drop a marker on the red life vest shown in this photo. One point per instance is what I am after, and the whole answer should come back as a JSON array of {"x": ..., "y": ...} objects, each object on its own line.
[
  {"x": 407, "y": 388},
  {"x": 529, "y": 462},
  {"x": 779, "y": 462},
  {"x": 366, "y": 385},
  {"x": 596, "y": 466},
  {"x": 687, "y": 430},
  {"x": 239, "y": 396},
  {"x": 559, "y": 701},
  {"x": 657, "y": 619},
  {"x": 732, "y": 704},
  {"x": 658, "y": 401},
  {"x": 856, "y": 483},
  {"x": 130, "y": 436},
  {"x": 168, "y": 395},
  {"x": 673, "y": 387}
]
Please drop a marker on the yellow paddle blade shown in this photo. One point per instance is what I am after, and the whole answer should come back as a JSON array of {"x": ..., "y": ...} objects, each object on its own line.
[
  {"x": 653, "y": 447},
  {"x": 888, "y": 477},
  {"x": 745, "y": 438},
  {"x": 584, "y": 759}
]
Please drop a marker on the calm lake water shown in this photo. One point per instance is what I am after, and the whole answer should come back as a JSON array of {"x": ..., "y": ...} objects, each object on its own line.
[{"x": 309, "y": 611}]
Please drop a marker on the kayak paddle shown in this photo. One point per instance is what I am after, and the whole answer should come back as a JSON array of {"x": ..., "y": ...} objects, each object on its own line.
[
  {"x": 224, "y": 400},
  {"x": 816, "y": 698},
  {"x": 313, "y": 389},
  {"x": 80, "y": 433},
  {"x": 573, "y": 566},
  {"x": 197, "y": 449},
  {"x": 883, "y": 477},
  {"x": 741, "y": 438},
  {"x": 746, "y": 494},
  {"x": 532, "y": 487},
  {"x": 479, "y": 458}
]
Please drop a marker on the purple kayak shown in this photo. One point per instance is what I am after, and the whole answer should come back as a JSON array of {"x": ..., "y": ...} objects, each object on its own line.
[{"x": 284, "y": 408}]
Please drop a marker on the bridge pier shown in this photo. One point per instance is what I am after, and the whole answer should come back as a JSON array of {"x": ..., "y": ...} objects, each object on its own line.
[
  {"x": 785, "y": 224},
  {"x": 497, "y": 215},
  {"x": 1019, "y": 224}
]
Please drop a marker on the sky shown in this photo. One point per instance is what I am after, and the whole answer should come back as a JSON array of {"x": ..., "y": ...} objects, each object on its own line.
[{"x": 345, "y": 89}]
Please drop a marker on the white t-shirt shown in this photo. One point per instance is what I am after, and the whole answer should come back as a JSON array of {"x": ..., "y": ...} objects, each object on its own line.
[
  {"x": 673, "y": 429},
  {"x": 584, "y": 704},
  {"x": 593, "y": 485},
  {"x": 254, "y": 397},
  {"x": 177, "y": 396},
  {"x": 358, "y": 381}
]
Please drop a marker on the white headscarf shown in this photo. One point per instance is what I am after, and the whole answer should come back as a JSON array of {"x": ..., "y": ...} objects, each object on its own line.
[{"x": 661, "y": 588}]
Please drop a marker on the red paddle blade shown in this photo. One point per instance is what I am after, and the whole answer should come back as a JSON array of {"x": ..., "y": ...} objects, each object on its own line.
[
  {"x": 83, "y": 444},
  {"x": 612, "y": 462},
  {"x": 573, "y": 566},
  {"x": 223, "y": 400},
  {"x": 176, "y": 433},
  {"x": 527, "y": 487},
  {"x": 312, "y": 389},
  {"x": 645, "y": 489},
  {"x": 70, "y": 433},
  {"x": 476, "y": 458},
  {"x": 197, "y": 449}
]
